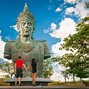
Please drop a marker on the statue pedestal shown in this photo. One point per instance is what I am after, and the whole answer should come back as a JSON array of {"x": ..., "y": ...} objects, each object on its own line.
[{"x": 28, "y": 81}]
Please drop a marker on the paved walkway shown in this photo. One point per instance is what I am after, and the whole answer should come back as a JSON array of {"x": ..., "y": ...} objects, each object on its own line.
[{"x": 41, "y": 87}]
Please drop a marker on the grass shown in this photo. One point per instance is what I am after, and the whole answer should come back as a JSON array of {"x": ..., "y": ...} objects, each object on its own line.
[
  {"x": 2, "y": 82},
  {"x": 71, "y": 84}
]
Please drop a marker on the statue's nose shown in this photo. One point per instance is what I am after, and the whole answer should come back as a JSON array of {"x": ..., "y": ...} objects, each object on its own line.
[{"x": 26, "y": 25}]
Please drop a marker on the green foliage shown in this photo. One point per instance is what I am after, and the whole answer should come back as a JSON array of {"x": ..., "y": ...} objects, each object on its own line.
[
  {"x": 78, "y": 43},
  {"x": 87, "y": 4},
  {"x": 48, "y": 69},
  {"x": 79, "y": 40},
  {"x": 8, "y": 68}
]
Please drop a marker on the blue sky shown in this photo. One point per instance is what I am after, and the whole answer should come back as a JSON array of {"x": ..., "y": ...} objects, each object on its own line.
[
  {"x": 42, "y": 10},
  {"x": 55, "y": 20},
  {"x": 10, "y": 9}
]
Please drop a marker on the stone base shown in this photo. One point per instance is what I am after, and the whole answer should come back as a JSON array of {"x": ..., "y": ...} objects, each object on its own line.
[
  {"x": 28, "y": 81},
  {"x": 41, "y": 87}
]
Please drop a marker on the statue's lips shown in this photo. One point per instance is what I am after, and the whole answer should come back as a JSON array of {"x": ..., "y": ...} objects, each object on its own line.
[{"x": 26, "y": 31}]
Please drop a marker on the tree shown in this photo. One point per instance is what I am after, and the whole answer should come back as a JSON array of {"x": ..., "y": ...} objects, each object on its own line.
[
  {"x": 79, "y": 44},
  {"x": 87, "y": 4},
  {"x": 8, "y": 68},
  {"x": 63, "y": 61},
  {"x": 48, "y": 69}
]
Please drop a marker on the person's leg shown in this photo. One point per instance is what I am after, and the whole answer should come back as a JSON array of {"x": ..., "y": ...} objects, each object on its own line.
[
  {"x": 16, "y": 81},
  {"x": 34, "y": 78},
  {"x": 20, "y": 76},
  {"x": 19, "y": 79},
  {"x": 16, "y": 75}
]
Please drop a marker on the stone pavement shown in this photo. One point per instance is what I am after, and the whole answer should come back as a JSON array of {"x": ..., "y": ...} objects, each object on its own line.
[
  {"x": 41, "y": 87},
  {"x": 28, "y": 81}
]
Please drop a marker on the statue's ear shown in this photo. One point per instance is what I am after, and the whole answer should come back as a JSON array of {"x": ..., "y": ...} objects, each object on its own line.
[
  {"x": 33, "y": 29},
  {"x": 17, "y": 26},
  {"x": 18, "y": 31}
]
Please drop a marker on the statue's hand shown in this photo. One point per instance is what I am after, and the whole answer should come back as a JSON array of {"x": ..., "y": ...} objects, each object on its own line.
[
  {"x": 47, "y": 56},
  {"x": 7, "y": 56}
]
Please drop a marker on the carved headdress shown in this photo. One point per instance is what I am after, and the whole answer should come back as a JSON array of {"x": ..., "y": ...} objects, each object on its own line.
[{"x": 25, "y": 15}]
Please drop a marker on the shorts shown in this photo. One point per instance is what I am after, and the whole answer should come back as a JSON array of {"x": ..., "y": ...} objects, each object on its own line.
[
  {"x": 19, "y": 73},
  {"x": 33, "y": 71}
]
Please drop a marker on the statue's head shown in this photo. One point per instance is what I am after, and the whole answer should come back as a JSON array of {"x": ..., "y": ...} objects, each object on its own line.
[{"x": 25, "y": 22}]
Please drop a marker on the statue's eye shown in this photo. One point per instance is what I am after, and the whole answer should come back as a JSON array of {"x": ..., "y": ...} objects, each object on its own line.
[
  {"x": 23, "y": 23},
  {"x": 28, "y": 23}
]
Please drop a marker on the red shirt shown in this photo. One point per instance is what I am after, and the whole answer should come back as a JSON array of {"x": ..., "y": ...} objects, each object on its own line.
[{"x": 19, "y": 63}]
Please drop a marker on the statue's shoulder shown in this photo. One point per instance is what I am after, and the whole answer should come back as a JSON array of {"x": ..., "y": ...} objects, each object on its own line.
[
  {"x": 41, "y": 41},
  {"x": 10, "y": 41}
]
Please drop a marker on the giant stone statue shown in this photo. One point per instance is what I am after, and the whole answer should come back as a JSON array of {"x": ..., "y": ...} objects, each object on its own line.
[{"x": 25, "y": 46}]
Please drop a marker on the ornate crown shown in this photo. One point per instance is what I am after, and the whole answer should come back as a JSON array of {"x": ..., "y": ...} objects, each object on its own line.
[{"x": 25, "y": 15}]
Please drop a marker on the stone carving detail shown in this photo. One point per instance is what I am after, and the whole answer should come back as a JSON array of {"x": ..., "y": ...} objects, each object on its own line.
[{"x": 25, "y": 46}]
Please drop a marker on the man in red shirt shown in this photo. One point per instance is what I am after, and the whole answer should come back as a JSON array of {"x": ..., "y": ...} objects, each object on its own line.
[{"x": 18, "y": 70}]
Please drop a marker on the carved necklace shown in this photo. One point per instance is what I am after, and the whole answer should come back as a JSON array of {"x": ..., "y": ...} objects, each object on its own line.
[{"x": 26, "y": 47}]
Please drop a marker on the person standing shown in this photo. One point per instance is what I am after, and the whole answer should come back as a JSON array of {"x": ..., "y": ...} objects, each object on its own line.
[
  {"x": 18, "y": 70},
  {"x": 33, "y": 67}
]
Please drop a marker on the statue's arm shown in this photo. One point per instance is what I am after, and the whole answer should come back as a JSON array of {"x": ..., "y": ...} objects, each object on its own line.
[
  {"x": 47, "y": 53},
  {"x": 7, "y": 51}
]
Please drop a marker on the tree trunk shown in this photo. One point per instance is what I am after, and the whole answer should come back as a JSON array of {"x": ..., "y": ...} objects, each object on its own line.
[{"x": 74, "y": 78}]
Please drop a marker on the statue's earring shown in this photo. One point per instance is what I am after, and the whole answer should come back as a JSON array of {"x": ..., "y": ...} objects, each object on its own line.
[{"x": 19, "y": 33}]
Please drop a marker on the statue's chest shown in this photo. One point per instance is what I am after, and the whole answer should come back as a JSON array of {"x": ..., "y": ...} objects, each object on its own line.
[
  {"x": 27, "y": 51},
  {"x": 25, "y": 47},
  {"x": 28, "y": 48}
]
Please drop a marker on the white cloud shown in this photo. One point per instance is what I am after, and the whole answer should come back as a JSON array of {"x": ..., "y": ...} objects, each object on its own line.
[
  {"x": 70, "y": 10},
  {"x": 57, "y": 76},
  {"x": 58, "y": 9},
  {"x": 8, "y": 37},
  {"x": 2, "y": 45},
  {"x": 50, "y": 7},
  {"x": 79, "y": 10},
  {"x": 14, "y": 27},
  {"x": 46, "y": 31},
  {"x": 56, "y": 51},
  {"x": 0, "y": 31},
  {"x": 53, "y": 26},
  {"x": 67, "y": 26},
  {"x": 70, "y": 1}
]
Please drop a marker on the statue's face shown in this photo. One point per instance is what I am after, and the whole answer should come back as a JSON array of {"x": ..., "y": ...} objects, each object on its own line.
[{"x": 26, "y": 28}]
